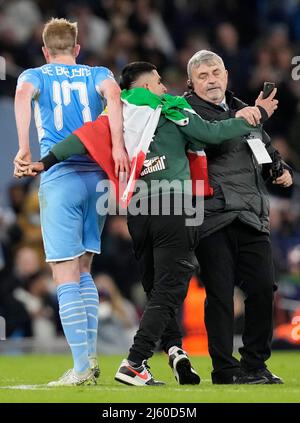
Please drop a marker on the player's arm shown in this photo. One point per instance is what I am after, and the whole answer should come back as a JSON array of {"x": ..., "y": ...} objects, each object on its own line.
[
  {"x": 110, "y": 90},
  {"x": 23, "y": 97}
]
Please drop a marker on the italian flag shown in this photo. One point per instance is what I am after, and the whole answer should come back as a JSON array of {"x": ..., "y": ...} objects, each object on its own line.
[{"x": 141, "y": 113}]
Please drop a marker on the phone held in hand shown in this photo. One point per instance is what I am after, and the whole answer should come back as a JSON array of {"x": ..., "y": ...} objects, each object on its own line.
[
  {"x": 268, "y": 88},
  {"x": 277, "y": 168}
]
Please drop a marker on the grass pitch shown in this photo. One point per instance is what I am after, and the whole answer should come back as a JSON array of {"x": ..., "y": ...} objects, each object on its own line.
[{"x": 23, "y": 379}]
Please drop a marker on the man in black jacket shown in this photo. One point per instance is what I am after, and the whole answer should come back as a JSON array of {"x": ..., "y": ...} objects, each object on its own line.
[{"x": 234, "y": 246}]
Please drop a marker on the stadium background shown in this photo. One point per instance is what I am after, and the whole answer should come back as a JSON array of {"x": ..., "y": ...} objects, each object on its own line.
[{"x": 256, "y": 39}]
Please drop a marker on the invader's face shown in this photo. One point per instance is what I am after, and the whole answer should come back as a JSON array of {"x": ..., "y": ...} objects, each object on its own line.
[{"x": 153, "y": 83}]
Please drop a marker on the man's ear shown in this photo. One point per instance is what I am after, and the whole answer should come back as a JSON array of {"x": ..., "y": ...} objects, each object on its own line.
[
  {"x": 76, "y": 50},
  {"x": 46, "y": 54},
  {"x": 226, "y": 71},
  {"x": 190, "y": 84}
]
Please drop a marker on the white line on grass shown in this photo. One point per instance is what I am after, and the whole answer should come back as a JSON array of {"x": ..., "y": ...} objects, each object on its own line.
[
  {"x": 27, "y": 387},
  {"x": 94, "y": 388}
]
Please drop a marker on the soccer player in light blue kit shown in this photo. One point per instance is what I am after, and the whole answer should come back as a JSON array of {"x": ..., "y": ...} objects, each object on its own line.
[{"x": 64, "y": 95}]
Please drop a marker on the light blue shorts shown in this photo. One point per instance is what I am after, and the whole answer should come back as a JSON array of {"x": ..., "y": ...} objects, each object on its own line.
[{"x": 70, "y": 223}]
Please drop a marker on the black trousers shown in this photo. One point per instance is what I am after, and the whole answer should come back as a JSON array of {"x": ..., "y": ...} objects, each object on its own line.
[
  {"x": 164, "y": 245},
  {"x": 237, "y": 255}
]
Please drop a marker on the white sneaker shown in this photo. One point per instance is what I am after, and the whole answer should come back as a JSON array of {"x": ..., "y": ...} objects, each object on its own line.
[
  {"x": 136, "y": 375},
  {"x": 94, "y": 365},
  {"x": 182, "y": 368},
  {"x": 71, "y": 378}
]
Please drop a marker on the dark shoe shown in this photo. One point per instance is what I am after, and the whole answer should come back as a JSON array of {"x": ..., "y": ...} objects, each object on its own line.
[
  {"x": 182, "y": 368},
  {"x": 240, "y": 378},
  {"x": 271, "y": 378}
]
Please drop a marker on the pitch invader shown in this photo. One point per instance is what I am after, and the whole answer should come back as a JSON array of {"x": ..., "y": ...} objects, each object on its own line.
[{"x": 64, "y": 95}]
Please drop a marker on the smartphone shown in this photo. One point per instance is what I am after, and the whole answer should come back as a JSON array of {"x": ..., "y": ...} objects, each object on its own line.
[{"x": 268, "y": 88}]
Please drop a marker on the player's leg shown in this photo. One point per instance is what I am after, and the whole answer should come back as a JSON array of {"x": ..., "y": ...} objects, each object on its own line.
[
  {"x": 93, "y": 223},
  {"x": 72, "y": 314},
  {"x": 90, "y": 297},
  {"x": 61, "y": 219}
]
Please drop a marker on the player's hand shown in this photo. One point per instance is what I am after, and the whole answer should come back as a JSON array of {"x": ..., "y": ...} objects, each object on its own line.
[
  {"x": 23, "y": 158},
  {"x": 121, "y": 160},
  {"x": 270, "y": 104},
  {"x": 250, "y": 114},
  {"x": 285, "y": 179}
]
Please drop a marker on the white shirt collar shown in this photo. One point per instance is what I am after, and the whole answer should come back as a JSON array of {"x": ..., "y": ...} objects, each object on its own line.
[{"x": 223, "y": 104}]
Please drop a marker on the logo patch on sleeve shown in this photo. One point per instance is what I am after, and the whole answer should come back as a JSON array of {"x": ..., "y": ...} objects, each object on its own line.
[{"x": 155, "y": 164}]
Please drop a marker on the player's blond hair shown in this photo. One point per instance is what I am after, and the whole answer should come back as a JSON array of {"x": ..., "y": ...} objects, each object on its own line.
[{"x": 60, "y": 36}]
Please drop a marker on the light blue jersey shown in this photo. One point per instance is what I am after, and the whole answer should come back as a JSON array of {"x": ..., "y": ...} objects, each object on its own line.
[{"x": 65, "y": 97}]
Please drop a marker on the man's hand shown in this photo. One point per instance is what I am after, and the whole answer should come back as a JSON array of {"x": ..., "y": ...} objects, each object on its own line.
[
  {"x": 111, "y": 91},
  {"x": 32, "y": 169},
  {"x": 285, "y": 179},
  {"x": 270, "y": 104},
  {"x": 121, "y": 160},
  {"x": 23, "y": 158},
  {"x": 35, "y": 168},
  {"x": 250, "y": 114}
]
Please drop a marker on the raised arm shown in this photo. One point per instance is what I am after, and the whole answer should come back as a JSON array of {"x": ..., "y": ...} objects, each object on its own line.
[
  {"x": 201, "y": 132},
  {"x": 111, "y": 91},
  {"x": 23, "y": 97}
]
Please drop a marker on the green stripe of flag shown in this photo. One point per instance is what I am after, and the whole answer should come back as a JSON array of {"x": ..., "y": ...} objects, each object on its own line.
[{"x": 171, "y": 105}]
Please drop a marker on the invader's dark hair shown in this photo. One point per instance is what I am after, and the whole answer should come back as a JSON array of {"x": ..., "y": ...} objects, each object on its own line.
[{"x": 133, "y": 71}]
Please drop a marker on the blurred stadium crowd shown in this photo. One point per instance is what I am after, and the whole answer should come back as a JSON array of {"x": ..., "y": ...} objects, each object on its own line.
[{"x": 257, "y": 40}]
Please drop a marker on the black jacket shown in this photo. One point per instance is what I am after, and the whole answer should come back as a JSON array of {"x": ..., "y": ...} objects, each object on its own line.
[{"x": 239, "y": 187}]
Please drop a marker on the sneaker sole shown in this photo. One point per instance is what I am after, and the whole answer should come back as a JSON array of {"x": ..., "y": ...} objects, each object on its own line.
[
  {"x": 184, "y": 373},
  {"x": 258, "y": 382},
  {"x": 84, "y": 383},
  {"x": 127, "y": 380},
  {"x": 272, "y": 382},
  {"x": 89, "y": 382}
]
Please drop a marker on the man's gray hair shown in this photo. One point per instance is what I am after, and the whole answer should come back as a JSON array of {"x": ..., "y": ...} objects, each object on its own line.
[{"x": 203, "y": 56}]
